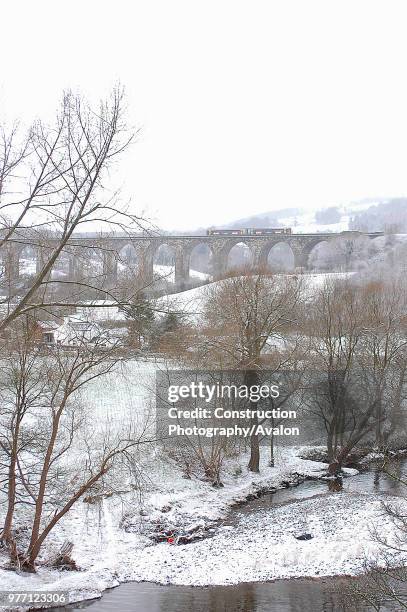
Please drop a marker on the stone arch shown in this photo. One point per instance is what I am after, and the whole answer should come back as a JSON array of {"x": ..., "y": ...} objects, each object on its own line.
[
  {"x": 164, "y": 262},
  {"x": 127, "y": 258},
  {"x": 200, "y": 261},
  {"x": 247, "y": 257},
  {"x": 316, "y": 257},
  {"x": 341, "y": 252},
  {"x": 63, "y": 267},
  {"x": 302, "y": 249},
  {"x": 27, "y": 261},
  {"x": 277, "y": 256},
  {"x": 91, "y": 261}
]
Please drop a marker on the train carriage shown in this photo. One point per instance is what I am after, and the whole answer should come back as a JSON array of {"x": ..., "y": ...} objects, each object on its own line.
[{"x": 249, "y": 231}]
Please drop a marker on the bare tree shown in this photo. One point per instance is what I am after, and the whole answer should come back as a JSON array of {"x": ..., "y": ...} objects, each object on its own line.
[
  {"x": 384, "y": 349},
  {"x": 21, "y": 391},
  {"x": 246, "y": 317},
  {"x": 53, "y": 457},
  {"x": 197, "y": 453},
  {"x": 384, "y": 581},
  {"x": 356, "y": 340},
  {"x": 55, "y": 184}
]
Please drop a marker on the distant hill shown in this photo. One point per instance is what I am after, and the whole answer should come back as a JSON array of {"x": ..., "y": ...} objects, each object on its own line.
[
  {"x": 267, "y": 219},
  {"x": 389, "y": 216},
  {"x": 367, "y": 215},
  {"x": 371, "y": 215}
]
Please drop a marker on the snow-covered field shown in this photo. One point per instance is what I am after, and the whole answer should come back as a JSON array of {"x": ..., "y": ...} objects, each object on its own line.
[
  {"x": 190, "y": 302},
  {"x": 305, "y": 223}
]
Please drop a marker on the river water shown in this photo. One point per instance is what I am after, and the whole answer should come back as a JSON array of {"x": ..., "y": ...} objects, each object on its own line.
[{"x": 295, "y": 595}]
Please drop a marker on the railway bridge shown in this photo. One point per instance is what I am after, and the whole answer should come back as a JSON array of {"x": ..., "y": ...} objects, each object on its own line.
[{"x": 145, "y": 248}]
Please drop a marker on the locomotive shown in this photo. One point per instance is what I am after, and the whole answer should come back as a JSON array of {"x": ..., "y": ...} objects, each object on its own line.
[{"x": 249, "y": 231}]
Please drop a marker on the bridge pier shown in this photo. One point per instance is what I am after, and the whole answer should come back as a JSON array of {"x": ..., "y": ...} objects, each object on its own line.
[
  {"x": 75, "y": 271},
  {"x": 146, "y": 266},
  {"x": 300, "y": 259},
  {"x": 40, "y": 260},
  {"x": 259, "y": 260},
  {"x": 110, "y": 266},
  {"x": 181, "y": 268},
  {"x": 301, "y": 249},
  {"x": 219, "y": 263},
  {"x": 11, "y": 263}
]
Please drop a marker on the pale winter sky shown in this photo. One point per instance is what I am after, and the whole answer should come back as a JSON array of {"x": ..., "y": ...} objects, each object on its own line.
[{"x": 244, "y": 107}]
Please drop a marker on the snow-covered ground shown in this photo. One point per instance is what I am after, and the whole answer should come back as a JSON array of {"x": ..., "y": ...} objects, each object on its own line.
[
  {"x": 168, "y": 273},
  {"x": 306, "y": 224},
  {"x": 263, "y": 546},
  {"x": 115, "y": 540},
  {"x": 101, "y": 310},
  {"x": 258, "y": 549},
  {"x": 192, "y": 301}
]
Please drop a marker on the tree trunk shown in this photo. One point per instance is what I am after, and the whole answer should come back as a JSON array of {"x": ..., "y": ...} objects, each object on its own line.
[
  {"x": 379, "y": 435},
  {"x": 11, "y": 494},
  {"x": 254, "y": 462},
  {"x": 272, "y": 451},
  {"x": 251, "y": 378},
  {"x": 271, "y": 445},
  {"x": 336, "y": 465},
  {"x": 33, "y": 548},
  {"x": 330, "y": 447},
  {"x": 6, "y": 535},
  {"x": 28, "y": 563}
]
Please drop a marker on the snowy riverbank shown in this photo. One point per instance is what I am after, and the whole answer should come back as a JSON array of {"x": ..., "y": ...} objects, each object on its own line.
[{"x": 262, "y": 546}]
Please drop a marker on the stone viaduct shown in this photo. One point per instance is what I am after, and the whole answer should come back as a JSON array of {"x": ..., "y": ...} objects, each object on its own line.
[{"x": 145, "y": 247}]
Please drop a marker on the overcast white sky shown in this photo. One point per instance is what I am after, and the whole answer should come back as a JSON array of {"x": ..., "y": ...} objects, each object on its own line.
[{"x": 244, "y": 107}]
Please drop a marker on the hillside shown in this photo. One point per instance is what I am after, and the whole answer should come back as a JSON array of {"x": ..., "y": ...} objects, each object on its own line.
[{"x": 367, "y": 215}]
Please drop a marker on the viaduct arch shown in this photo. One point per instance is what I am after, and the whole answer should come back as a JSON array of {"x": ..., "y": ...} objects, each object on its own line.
[{"x": 145, "y": 247}]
